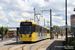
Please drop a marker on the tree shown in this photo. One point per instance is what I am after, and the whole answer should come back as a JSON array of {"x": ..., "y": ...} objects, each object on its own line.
[
  {"x": 69, "y": 30},
  {"x": 6, "y": 31},
  {"x": 55, "y": 26},
  {"x": 61, "y": 28},
  {"x": 1, "y": 30}
]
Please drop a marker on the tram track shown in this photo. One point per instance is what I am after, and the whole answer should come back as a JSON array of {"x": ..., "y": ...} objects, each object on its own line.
[
  {"x": 23, "y": 47},
  {"x": 17, "y": 47},
  {"x": 42, "y": 45},
  {"x": 36, "y": 48},
  {"x": 32, "y": 46},
  {"x": 10, "y": 48}
]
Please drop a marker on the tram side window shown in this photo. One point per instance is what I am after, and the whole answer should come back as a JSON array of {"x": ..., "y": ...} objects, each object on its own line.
[
  {"x": 41, "y": 31},
  {"x": 44, "y": 31},
  {"x": 32, "y": 29},
  {"x": 47, "y": 31},
  {"x": 38, "y": 30}
]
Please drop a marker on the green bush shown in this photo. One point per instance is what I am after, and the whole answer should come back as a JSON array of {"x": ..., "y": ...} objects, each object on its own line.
[
  {"x": 3, "y": 30},
  {"x": 6, "y": 31},
  {"x": 71, "y": 42}
]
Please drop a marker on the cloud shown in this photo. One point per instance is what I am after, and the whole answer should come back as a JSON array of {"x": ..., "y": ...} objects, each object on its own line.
[
  {"x": 15, "y": 11},
  {"x": 27, "y": 15},
  {"x": 73, "y": 3},
  {"x": 0, "y": 25}
]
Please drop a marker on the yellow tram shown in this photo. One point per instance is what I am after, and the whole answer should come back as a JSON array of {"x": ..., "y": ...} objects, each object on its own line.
[{"x": 31, "y": 32}]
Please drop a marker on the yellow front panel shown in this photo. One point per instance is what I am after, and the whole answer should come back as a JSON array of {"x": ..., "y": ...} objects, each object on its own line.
[
  {"x": 25, "y": 37},
  {"x": 48, "y": 35},
  {"x": 34, "y": 36}
]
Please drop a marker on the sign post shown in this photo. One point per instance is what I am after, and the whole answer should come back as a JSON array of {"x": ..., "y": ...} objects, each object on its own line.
[
  {"x": 17, "y": 34},
  {"x": 2, "y": 32},
  {"x": 57, "y": 32}
]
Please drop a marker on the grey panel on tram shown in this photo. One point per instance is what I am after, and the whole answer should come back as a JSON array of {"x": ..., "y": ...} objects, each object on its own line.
[{"x": 41, "y": 32}]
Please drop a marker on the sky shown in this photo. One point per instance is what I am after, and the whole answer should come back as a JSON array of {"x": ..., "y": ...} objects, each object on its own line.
[{"x": 12, "y": 12}]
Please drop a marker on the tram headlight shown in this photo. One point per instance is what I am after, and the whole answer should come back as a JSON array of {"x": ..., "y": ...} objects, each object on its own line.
[
  {"x": 30, "y": 35},
  {"x": 21, "y": 35}
]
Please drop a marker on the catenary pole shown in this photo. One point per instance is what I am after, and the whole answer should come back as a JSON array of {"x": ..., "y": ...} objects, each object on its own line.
[
  {"x": 66, "y": 19},
  {"x": 50, "y": 24}
]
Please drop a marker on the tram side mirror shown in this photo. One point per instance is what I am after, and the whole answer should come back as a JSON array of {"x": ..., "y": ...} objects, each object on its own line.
[{"x": 17, "y": 28}]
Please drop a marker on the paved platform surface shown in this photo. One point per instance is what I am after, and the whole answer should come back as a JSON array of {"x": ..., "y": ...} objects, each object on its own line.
[
  {"x": 44, "y": 47},
  {"x": 6, "y": 42},
  {"x": 6, "y": 39},
  {"x": 48, "y": 45}
]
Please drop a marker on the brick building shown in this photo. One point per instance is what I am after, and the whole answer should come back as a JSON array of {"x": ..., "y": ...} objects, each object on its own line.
[
  {"x": 12, "y": 32},
  {"x": 72, "y": 23}
]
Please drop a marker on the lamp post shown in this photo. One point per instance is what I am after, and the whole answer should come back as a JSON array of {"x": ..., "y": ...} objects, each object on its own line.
[
  {"x": 34, "y": 14},
  {"x": 50, "y": 19},
  {"x": 66, "y": 20},
  {"x": 44, "y": 22},
  {"x": 7, "y": 25},
  {"x": 2, "y": 32}
]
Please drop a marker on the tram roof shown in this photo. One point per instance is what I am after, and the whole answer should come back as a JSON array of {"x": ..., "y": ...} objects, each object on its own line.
[
  {"x": 34, "y": 23},
  {"x": 29, "y": 21}
]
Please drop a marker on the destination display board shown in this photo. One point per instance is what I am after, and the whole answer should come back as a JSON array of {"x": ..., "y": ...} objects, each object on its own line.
[{"x": 26, "y": 24}]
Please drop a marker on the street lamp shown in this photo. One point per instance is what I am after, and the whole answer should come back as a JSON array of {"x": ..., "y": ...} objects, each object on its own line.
[
  {"x": 7, "y": 25},
  {"x": 44, "y": 22},
  {"x": 2, "y": 32},
  {"x": 66, "y": 20},
  {"x": 34, "y": 14}
]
